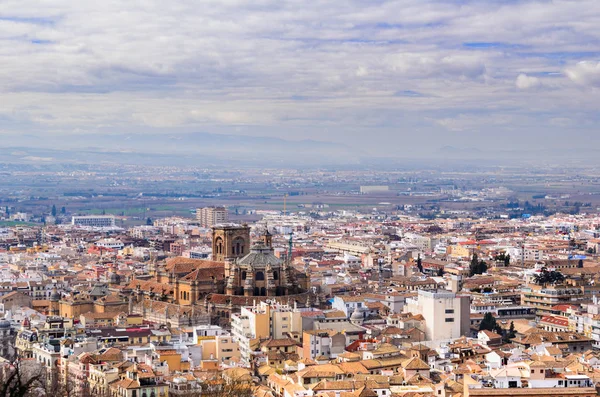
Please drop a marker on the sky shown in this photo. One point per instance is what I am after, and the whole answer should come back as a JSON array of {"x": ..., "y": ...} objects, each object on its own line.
[{"x": 384, "y": 76}]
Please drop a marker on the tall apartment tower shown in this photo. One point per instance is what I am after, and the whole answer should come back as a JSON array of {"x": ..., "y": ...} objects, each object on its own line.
[
  {"x": 211, "y": 216},
  {"x": 447, "y": 315}
]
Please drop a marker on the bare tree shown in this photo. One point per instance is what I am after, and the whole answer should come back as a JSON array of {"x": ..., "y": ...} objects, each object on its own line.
[
  {"x": 221, "y": 388},
  {"x": 21, "y": 380}
]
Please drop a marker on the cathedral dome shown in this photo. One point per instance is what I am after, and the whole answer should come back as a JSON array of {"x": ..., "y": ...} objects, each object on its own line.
[{"x": 260, "y": 256}]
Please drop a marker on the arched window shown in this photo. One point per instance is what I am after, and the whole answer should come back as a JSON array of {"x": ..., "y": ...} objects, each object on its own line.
[
  {"x": 259, "y": 276},
  {"x": 219, "y": 245},
  {"x": 244, "y": 274},
  {"x": 238, "y": 246},
  {"x": 275, "y": 275}
]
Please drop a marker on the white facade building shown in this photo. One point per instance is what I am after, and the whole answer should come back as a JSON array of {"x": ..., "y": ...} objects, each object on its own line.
[
  {"x": 447, "y": 315},
  {"x": 94, "y": 221}
]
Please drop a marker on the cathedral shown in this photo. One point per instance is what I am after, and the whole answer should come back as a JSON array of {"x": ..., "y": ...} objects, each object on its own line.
[{"x": 240, "y": 274}]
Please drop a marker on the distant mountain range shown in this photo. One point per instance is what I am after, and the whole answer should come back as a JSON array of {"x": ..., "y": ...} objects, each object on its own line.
[
  {"x": 208, "y": 149},
  {"x": 198, "y": 149}
]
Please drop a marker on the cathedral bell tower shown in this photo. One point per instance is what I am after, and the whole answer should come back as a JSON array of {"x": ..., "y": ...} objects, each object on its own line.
[{"x": 230, "y": 242}]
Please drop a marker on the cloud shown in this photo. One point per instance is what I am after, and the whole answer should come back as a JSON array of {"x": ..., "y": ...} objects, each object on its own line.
[
  {"x": 585, "y": 73},
  {"x": 525, "y": 82},
  {"x": 359, "y": 69}
]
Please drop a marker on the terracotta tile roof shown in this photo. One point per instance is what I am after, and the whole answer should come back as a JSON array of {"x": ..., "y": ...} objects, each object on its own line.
[
  {"x": 415, "y": 363},
  {"x": 181, "y": 265}
]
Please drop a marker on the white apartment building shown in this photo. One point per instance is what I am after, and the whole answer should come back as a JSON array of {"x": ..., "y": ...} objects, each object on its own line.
[
  {"x": 111, "y": 243},
  {"x": 210, "y": 216},
  {"x": 265, "y": 320},
  {"x": 94, "y": 221},
  {"x": 447, "y": 315}
]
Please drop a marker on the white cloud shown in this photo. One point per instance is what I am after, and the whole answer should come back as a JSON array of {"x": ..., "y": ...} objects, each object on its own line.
[
  {"x": 585, "y": 73},
  {"x": 362, "y": 71},
  {"x": 525, "y": 82}
]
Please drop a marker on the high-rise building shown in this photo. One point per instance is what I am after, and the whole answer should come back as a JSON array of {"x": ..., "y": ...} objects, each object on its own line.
[
  {"x": 210, "y": 216},
  {"x": 447, "y": 315}
]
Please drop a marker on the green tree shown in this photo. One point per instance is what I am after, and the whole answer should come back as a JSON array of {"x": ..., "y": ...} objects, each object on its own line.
[
  {"x": 53, "y": 210},
  {"x": 511, "y": 333},
  {"x": 489, "y": 323},
  {"x": 149, "y": 222},
  {"x": 482, "y": 268},
  {"x": 474, "y": 267},
  {"x": 546, "y": 276},
  {"x": 477, "y": 266},
  {"x": 507, "y": 260},
  {"x": 63, "y": 210},
  {"x": 419, "y": 263}
]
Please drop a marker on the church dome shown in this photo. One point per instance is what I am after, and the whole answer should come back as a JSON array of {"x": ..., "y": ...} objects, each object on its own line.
[{"x": 259, "y": 257}]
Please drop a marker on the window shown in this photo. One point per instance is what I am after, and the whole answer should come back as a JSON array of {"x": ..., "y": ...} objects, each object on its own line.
[
  {"x": 450, "y": 320},
  {"x": 449, "y": 311}
]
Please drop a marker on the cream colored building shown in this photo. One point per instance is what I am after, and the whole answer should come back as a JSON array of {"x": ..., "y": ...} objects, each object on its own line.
[
  {"x": 265, "y": 320},
  {"x": 221, "y": 348},
  {"x": 211, "y": 216},
  {"x": 447, "y": 315}
]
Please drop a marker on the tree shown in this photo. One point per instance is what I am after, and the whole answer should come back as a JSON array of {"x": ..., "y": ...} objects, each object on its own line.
[
  {"x": 53, "y": 210},
  {"x": 63, "y": 210},
  {"x": 489, "y": 323},
  {"x": 507, "y": 260},
  {"x": 511, "y": 334},
  {"x": 419, "y": 263},
  {"x": 477, "y": 266},
  {"x": 482, "y": 268},
  {"x": 21, "y": 379},
  {"x": 440, "y": 272},
  {"x": 149, "y": 222},
  {"x": 548, "y": 277},
  {"x": 221, "y": 388},
  {"x": 474, "y": 265}
]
